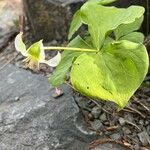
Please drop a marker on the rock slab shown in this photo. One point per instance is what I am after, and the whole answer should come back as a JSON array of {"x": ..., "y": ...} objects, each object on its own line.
[
  {"x": 30, "y": 119},
  {"x": 49, "y": 19}
]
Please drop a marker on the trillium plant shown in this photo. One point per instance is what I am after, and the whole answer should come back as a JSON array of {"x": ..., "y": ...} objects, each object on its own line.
[{"x": 109, "y": 62}]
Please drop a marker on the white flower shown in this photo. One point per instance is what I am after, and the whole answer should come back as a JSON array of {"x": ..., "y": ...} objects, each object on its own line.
[{"x": 35, "y": 54}]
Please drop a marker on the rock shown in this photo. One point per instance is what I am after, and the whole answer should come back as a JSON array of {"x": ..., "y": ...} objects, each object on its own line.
[
  {"x": 49, "y": 19},
  {"x": 144, "y": 138},
  {"x": 96, "y": 111},
  {"x": 126, "y": 131},
  {"x": 148, "y": 129},
  {"x": 37, "y": 121},
  {"x": 96, "y": 124},
  {"x": 115, "y": 136},
  {"x": 122, "y": 121},
  {"x": 57, "y": 93},
  {"x": 108, "y": 145},
  {"x": 8, "y": 15},
  {"x": 103, "y": 117},
  {"x": 129, "y": 117},
  {"x": 90, "y": 116}
]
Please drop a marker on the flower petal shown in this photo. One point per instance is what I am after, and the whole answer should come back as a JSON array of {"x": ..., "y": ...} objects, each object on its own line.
[
  {"x": 54, "y": 61},
  {"x": 19, "y": 44}
]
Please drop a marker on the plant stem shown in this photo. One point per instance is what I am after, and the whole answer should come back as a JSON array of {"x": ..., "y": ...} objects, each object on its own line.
[{"x": 70, "y": 49}]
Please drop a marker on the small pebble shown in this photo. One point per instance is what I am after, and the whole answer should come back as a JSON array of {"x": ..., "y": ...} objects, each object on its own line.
[
  {"x": 136, "y": 147},
  {"x": 16, "y": 99},
  {"x": 122, "y": 121},
  {"x": 103, "y": 117},
  {"x": 96, "y": 111},
  {"x": 91, "y": 105},
  {"x": 129, "y": 117},
  {"x": 147, "y": 122},
  {"x": 144, "y": 138},
  {"x": 141, "y": 122},
  {"x": 106, "y": 123},
  {"x": 115, "y": 136},
  {"x": 126, "y": 131},
  {"x": 96, "y": 124},
  {"x": 90, "y": 116},
  {"x": 55, "y": 94},
  {"x": 148, "y": 129}
]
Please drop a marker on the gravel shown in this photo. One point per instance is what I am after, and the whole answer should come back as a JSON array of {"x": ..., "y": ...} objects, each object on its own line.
[
  {"x": 144, "y": 138},
  {"x": 96, "y": 111},
  {"x": 96, "y": 124}
]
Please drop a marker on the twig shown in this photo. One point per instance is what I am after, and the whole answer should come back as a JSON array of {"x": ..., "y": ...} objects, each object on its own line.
[
  {"x": 22, "y": 23},
  {"x": 127, "y": 110},
  {"x": 136, "y": 100},
  {"x": 136, "y": 111},
  {"x": 95, "y": 143},
  {"x": 107, "y": 111},
  {"x": 131, "y": 123},
  {"x": 112, "y": 128},
  {"x": 69, "y": 85},
  {"x": 95, "y": 102}
]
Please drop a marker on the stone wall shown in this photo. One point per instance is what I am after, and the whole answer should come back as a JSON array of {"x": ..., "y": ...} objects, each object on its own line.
[{"x": 50, "y": 19}]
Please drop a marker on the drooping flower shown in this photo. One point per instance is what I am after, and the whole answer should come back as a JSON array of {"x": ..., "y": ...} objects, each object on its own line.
[{"x": 35, "y": 54}]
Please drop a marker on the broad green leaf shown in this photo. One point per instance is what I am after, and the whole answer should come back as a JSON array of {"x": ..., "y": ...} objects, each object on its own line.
[
  {"x": 114, "y": 74},
  {"x": 125, "y": 29},
  {"x": 19, "y": 44},
  {"x": 101, "y": 19},
  {"x": 75, "y": 24},
  {"x": 36, "y": 51},
  {"x": 136, "y": 37},
  {"x": 77, "y": 21},
  {"x": 68, "y": 57},
  {"x": 102, "y": 2}
]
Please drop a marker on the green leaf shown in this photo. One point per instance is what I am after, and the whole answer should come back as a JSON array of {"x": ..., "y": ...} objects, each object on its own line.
[
  {"x": 113, "y": 74},
  {"x": 136, "y": 37},
  {"x": 68, "y": 57},
  {"x": 102, "y": 2},
  {"x": 125, "y": 29},
  {"x": 101, "y": 20},
  {"x": 75, "y": 24},
  {"x": 36, "y": 51}
]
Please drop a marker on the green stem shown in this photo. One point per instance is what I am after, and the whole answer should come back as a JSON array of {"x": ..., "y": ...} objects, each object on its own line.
[{"x": 70, "y": 49}]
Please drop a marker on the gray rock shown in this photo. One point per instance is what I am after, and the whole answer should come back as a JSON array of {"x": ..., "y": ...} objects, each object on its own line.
[
  {"x": 126, "y": 131},
  {"x": 8, "y": 15},
  {"x": 37, "y": 121},
  {"x": 122, "y": 121},
  {"x": 129, "y": 117},
  {"x": 109, "y": 146},
  {"x": 49, "y": 19},
  {"x": 96, "y": 111},
  {"x": 90, "y": 117},
  {"x": 115, "y": 136},
  {"x": 144, "y": 138},
  {"x": 96, "y": 124},
  {"x": 103, "y": 117},
  {"x": 148, "y": 129}
]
